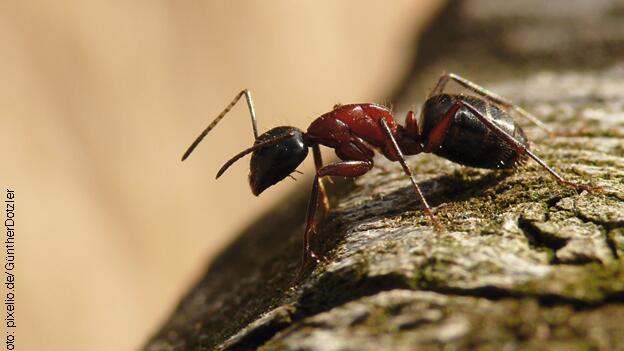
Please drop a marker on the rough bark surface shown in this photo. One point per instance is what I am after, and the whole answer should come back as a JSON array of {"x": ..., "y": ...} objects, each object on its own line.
[{"x": 524, "y": 263}]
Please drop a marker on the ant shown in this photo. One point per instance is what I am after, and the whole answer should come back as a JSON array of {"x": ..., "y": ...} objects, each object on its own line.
[{"x": 469, "y": 130}]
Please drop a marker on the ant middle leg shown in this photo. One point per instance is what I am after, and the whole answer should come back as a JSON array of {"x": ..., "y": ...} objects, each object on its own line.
[
  {"x": 523, "y": 149},
  {"x": 401, "y": 158},
  {"x": 489, "y": 95}
]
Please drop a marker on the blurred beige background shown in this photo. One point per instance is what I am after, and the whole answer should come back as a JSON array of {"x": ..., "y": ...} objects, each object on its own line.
[{"x": 98, "y": 100}]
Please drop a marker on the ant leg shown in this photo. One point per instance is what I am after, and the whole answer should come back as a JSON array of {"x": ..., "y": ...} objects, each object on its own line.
[
  {"x": 437, "y": 134},
  {"x": 408, "y": 172},
  {"x": 318, "y": 163},
  {"x": 227, "y": 109},
  {"x": 411, "y": 126},
  {"x": 439, "y": 87},
  {"x": 488, "y": 95},
  {"x": 343, "y": 169},
  {"x": 523, "y": 149}
]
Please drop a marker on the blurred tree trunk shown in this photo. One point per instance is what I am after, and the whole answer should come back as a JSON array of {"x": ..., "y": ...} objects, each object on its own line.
[{"x": 523, "y": 264}]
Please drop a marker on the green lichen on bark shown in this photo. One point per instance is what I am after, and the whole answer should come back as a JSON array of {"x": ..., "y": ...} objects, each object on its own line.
[{"x": 409, "y": 320}]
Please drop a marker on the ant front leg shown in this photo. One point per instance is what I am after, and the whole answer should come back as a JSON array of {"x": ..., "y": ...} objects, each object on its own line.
[
  {"x": 342, "y": 169},
  {"x": 490, "y": 96},
  {"x": 318, "y": 163},
  {"x": 523, "y": 149}
]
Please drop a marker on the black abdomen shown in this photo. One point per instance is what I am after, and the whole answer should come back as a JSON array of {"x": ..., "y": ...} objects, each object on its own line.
[{"x": 468, "y": 141}]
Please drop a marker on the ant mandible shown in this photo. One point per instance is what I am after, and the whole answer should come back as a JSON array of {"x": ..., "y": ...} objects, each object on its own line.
[{"x": 472, "y": 131}]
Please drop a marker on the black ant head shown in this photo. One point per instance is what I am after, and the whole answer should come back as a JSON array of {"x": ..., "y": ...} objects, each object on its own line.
[{"x": 278, "y": 159}]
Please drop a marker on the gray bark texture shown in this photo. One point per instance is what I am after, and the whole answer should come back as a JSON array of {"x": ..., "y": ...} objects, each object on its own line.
[{"x": 524, "y": 263}]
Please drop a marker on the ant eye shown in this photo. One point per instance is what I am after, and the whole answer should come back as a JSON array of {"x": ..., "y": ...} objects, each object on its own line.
[{"x": 271, "y": 164}]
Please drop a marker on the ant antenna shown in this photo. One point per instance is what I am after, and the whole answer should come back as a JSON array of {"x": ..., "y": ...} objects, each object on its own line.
[{"x": 227, "y": 109}]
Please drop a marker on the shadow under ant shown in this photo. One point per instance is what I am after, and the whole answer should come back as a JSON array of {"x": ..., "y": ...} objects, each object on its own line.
[{"x": 454, "y": 187}]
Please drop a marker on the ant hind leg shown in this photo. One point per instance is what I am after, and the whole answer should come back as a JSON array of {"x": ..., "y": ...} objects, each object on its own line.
[
  {"x": 524, "y": 150},
  {"x": 490, "y": 96}
]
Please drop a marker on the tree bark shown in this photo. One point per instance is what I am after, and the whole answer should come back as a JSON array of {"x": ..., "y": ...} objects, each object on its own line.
[{"x": 524, "y": 263}]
